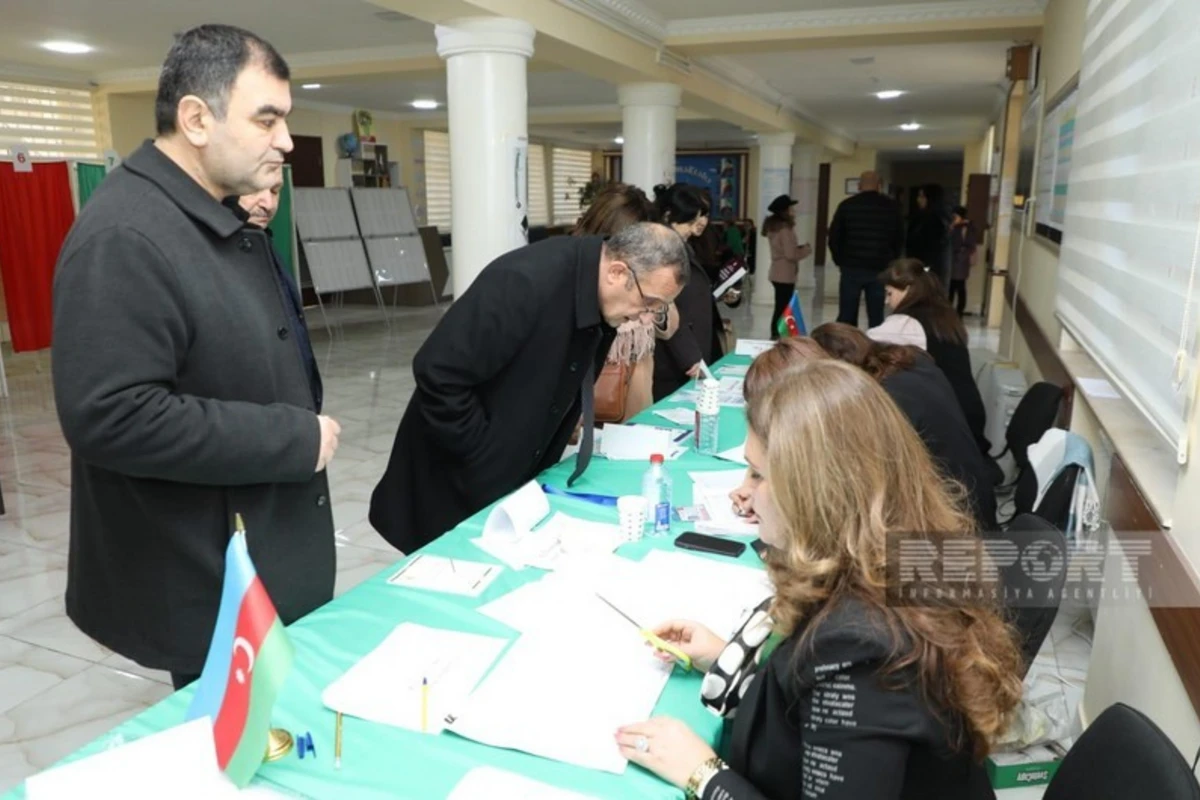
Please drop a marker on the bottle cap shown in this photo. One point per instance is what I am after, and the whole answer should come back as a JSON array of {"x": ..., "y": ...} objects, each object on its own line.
[{"x": 657, "y": 458}]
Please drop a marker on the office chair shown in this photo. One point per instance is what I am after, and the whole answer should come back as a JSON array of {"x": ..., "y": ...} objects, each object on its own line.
[
  {"x": 1033, "y": 617},
  {"x": 1034, "y": 415},
  {"x": 1123, "y": 755}
]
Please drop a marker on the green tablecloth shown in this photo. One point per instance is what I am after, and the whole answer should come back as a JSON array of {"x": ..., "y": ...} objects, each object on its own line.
[{"x": 380, "y": 761}]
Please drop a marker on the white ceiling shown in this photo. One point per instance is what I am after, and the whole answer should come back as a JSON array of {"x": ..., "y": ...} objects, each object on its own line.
[
  {"x": 689, "y": 133},
  {"x": 952, "y": 89},
  {"x": 395, "y": 92},
  {"x": 689, "y": 9},
  {"x": 131, "y": 34}
]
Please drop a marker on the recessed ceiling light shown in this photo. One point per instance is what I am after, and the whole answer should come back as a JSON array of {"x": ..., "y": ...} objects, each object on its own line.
[
  {"x": 425, "y": 105},
  {"x": 911, "y": 126},
  {"x": 70, "y": 48},
  {"x": 889, "y": 94},
  {"x": 310, "y": 86},
  {"x": 619, "y": 140},
  {"x": 924, "y": 146}
]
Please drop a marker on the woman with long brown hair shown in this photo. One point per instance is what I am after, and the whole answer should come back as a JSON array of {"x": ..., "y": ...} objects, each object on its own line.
[
  {"x": 913, "y": 290},
  {"x": 839, "y": 691},
  {"x": 914, "y": 382},
  {"x": 617, "y": 206}
]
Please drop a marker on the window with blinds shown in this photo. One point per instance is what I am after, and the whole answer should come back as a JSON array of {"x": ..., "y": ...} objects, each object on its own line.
[
  {"x": 1128, "y": 259},
  {"x": 539, "y": 210},
  {"x": 437, "y": 180},
  {"x": 51, "y": 122},
  {"x": 570, "y": 171}
]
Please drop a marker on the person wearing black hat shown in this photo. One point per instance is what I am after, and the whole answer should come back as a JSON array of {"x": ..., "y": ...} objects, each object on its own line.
[{"x": 786, "y": 254}]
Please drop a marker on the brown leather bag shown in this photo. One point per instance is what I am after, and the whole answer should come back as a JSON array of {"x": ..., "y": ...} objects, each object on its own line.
[{"x": 612, "y": 390}]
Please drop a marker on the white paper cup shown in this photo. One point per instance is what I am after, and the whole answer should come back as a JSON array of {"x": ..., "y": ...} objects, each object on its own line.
[{"x": 632, "y": 511}]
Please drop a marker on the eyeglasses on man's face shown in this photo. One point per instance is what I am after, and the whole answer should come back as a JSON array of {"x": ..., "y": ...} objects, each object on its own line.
[{"x": 654, "y": 306}]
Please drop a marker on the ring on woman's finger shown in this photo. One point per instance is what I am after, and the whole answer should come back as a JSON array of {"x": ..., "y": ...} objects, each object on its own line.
[{"x": 642, "y": 745}]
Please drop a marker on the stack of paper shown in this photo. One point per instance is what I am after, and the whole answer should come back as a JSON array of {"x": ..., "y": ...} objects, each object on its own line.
[
  {"x": 712, "y": 490},
  {"x": 735, "y": 371},
  {"x": 639, "y": 442},
  {"x": 680, "y": 416},
  {"x": 735, "y": 454},
  {"x": 177, "y": 762},
  {"x": 414, "y": 677},
  {"x": 562, "y": 694},
  {"x": 509, "y": 533},
  {"x": 439, "y": 574},
  {"x": 489, "y": 783}
]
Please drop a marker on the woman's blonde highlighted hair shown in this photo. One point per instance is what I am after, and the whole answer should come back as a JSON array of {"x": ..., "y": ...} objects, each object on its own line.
[{"x": 846, "y": 470}]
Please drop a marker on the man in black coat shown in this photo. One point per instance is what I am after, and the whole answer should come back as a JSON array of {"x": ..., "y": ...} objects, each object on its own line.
[
  {"x": 866, "y": 235},
  {"x": 503, "y": 378},
  {"x": 179, "y": 372}
]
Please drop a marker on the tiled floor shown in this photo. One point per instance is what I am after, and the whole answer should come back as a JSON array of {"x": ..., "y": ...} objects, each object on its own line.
[{"x": 59, "y": 689}]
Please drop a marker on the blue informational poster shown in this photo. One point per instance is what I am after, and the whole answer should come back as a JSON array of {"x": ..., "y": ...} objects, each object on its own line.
[{"x": 720, "y": 174}]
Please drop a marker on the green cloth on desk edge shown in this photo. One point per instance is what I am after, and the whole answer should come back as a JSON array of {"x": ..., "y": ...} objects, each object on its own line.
[{"x": 379, "y": 761}]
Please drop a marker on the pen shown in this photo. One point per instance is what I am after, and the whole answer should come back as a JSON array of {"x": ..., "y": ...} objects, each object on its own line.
[
  {"x": 486, "y": 572},
  {"x": 337, "y": 742},
  {"x": 424, "y": 705}
]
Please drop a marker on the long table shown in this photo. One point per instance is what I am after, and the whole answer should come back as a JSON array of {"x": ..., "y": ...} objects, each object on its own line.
[{"x": 381, "y": 761}]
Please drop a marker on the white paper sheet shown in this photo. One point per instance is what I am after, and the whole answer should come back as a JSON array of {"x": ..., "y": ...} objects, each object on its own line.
[
  {"x": 752, "y": 347},
  {"x": 638, "y": 442},
  {"x": 680, "y": 416},
  {"x": 519, "y": 513},
  {"x": 489, "y": 783},
  {"x": 450, "y": 575},
  {"x": 735, "y": 454},
  {"x": 177, "y": 762},
  {"x": 561, "y": 694},
  {"x": 711, "y": 490},
  {"x": 562, "y": 536},
  {"x": 734, "y": 371},
  {"x": 385, "y": 685},
  {"x": 1098, "y": 389}
]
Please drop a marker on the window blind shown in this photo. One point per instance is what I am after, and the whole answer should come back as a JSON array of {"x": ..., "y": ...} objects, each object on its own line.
[
  {"x": 52, "y": 122},
  {"x": 539, "y": 211},
  {"x": 571, "y": 170},
  {"x": 437, "y": 180},
  {"x": 1132, "y": 214}
]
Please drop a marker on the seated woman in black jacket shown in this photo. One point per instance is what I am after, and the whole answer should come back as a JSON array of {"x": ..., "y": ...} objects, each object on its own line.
[
  {"x": 839, "y": 692},
  {"x": 685, "y": 209},
  {"x": 913, "y": 290},
  {"x": 919, "y": 388}
]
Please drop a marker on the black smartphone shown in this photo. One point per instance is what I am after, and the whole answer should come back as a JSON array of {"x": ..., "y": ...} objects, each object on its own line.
[
  {"x": 761, "y": 548},
  {"x": 710, "y": 544}
]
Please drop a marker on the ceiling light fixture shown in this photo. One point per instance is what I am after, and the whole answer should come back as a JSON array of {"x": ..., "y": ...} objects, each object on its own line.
[
  {"x": 889, "y": 94},
  {"x": 310, "y": 86},
  {"x": 924, "y": 146},
  {"x": 911, "y": 126},
  {"x": 619, "y": 140},
  {"x": 70, "y": 48},
  {"x": 425, "y": 105}
]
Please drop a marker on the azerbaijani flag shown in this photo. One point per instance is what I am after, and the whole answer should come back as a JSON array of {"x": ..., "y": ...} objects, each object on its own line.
[
  {"x": 248, "y": 659},
  {"x": 791, "y": 321}
]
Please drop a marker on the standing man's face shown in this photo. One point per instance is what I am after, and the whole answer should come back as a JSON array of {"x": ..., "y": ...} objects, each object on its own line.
[
  {"x": 261, "y": 206},
  {"x": 244, "y": 152}
]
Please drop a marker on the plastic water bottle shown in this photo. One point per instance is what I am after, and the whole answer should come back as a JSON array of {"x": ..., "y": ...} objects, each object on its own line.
[
  {"x": 708, "y": 417},
  {"x": 656, "y": 486}
]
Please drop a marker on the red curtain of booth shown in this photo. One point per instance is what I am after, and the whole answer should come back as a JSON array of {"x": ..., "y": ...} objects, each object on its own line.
[{"x": 35, "y": 214}]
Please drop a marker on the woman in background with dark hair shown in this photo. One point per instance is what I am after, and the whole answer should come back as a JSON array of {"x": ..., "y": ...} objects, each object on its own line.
[
  {"x": 685, "y": 209},
  {"x": 929, "y": 232},
  {"x": 912, "y": 290},
  {"x": 911, "y": 378},
  {"x": 964, "y": 239}
]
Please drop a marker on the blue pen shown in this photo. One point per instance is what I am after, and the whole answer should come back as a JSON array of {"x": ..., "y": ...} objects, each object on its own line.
[{"x": 598, "y": 499}]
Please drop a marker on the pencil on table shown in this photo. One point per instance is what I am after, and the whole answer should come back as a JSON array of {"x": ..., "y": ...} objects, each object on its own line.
[
  {"x": 424, "y": 705},
  {"x": 337, "y": 742}
]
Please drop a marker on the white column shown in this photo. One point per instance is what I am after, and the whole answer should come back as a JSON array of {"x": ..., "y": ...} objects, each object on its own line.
[
  {"x": 648, "y": 113},
  {"x": 487, "y": 99},
  {"x": 774, "y": 179},
  {"x": 806, "y": 177}
]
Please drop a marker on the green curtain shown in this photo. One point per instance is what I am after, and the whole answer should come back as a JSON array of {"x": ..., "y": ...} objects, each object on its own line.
[
  {"x": 89, "y": 177},
  {"x": 282, "y": 226}
]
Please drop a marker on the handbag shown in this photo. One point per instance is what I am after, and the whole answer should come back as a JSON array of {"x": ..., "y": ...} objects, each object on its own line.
[{"x": 611, "y": 391}]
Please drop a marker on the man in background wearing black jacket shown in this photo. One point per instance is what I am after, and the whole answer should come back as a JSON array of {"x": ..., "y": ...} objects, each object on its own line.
[{"x": 867, "y": 234}]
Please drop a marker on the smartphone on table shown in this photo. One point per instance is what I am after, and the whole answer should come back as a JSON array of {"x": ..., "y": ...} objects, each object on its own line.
[{"x": 703, "y": 543}]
